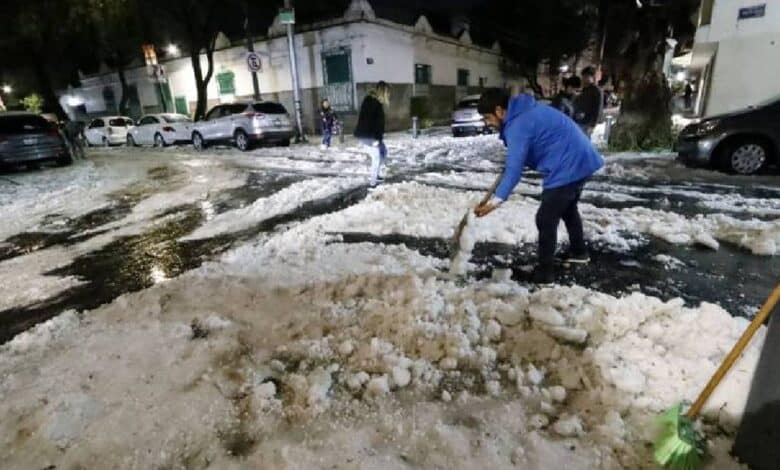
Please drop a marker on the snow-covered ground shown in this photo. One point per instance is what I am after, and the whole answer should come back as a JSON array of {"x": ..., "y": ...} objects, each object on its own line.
[{"x": 265, "y": 310}]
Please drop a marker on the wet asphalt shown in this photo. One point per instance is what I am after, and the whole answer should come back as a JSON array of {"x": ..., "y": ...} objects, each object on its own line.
[{"x": 730, "y": 277}]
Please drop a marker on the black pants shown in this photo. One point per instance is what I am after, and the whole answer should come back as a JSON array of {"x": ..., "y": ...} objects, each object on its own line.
[{"x": 560, "y": 203}]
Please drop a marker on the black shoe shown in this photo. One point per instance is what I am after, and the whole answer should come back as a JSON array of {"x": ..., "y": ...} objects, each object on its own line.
[
  {"x": 574, "y": 258},
  {"x": 543, "y": 276}
]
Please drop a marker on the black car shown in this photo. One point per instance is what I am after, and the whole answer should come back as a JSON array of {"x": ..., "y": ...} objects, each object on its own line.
[
  {"x": 743, "y": 142},
  {"x": 29, "y": 139}
]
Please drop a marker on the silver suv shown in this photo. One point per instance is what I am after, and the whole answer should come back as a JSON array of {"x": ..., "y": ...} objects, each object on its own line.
[
  {"x": 244, "y": 124},
  {"x": 467, "y": 120}
]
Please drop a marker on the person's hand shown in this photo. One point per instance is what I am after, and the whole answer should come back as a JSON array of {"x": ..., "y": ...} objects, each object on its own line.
[{"x": 484, "y": 209}]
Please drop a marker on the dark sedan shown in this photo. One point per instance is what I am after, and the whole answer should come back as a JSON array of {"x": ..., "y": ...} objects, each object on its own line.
[
  {"x": 29, "y": 139},
  {"x": 743, "y": 142}
]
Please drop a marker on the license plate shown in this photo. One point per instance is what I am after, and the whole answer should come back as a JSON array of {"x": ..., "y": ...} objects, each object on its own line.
[
  {"x": 30, "y": 141},
  {"x": 277, "y": 122}
]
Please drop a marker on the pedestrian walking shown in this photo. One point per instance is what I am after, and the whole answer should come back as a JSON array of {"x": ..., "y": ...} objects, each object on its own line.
[
  {"x": 564, "y": 100},
  {"x": 549, "y": 142},
  {"x": 589, "y": 103},
  {"x": 370, "y": 129},
  {"x": 688, "y": 95},
  {"x": 328, "y": 123}
]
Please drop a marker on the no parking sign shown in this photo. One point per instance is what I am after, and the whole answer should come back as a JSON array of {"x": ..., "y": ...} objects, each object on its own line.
[{"x": 253, "y": 62}]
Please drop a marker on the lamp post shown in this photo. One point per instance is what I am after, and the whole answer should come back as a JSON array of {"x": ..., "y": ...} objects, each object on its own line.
[
  {"x": 287, "y": 16},
  {"x": 7, "y": 89}
]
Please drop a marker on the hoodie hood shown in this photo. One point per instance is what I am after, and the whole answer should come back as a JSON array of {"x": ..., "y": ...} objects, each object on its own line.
[{"x": 519, "y": 105}]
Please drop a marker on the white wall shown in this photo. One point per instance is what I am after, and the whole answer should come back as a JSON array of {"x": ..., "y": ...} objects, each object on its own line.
[
  {"x": 725, "y": 22},
  {"x": 394, "y": 50},
  {"x": 746, "y": 72},
  {"x": 445, "y": 58}
]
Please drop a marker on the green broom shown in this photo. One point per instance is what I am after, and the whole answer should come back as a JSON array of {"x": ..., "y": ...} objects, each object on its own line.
[{"x": 680, "y": 446}]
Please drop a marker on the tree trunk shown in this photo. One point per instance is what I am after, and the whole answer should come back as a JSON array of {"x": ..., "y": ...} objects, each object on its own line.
[
  {"x": 200, "y": 85},
  {"x": 123, "y": 101},
  {"x": 50, "y": 102}
]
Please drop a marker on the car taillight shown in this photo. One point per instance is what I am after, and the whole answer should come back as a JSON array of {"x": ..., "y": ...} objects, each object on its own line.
[
  {"x": 168, "y": 129},
  {"x": 52, "y": 132},
  {"x": 254, "y": 115}
]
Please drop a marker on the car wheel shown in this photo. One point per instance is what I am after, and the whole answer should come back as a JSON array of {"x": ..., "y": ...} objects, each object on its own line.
[
  {"x": 197, "y": 141},
  {"x": 159, "y": 141},
  {"x": 747, "y": 157},
  {"x": 284, "y": 143},
  {"x": 130, "y": 141},
  {"x": 242, "y": 140},
  {"x": 105, "y": 142}
]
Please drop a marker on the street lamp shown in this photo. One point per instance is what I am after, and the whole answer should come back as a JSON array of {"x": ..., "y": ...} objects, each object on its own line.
[
  {"x": 172, "y": 49},
  {"x": 7, "y": 89}
]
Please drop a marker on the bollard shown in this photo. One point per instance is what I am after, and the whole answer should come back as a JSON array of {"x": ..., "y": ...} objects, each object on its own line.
[{"x": 414, "y": 127}]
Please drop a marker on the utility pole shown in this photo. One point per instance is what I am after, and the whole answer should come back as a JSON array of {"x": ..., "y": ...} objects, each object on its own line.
[
  {"x": 287, "y": 17},
  {"x": 250, "y": 46}
]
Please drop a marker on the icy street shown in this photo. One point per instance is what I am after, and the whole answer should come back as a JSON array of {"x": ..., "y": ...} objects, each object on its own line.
[{"x": 168, "y": 308}]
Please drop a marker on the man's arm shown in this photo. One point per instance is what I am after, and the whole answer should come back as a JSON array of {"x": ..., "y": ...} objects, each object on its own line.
[{"x": 518, "y": 142}]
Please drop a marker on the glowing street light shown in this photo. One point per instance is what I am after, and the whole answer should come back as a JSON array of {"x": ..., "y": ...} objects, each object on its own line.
[
  {"x": 172, "y": 49},
  {"x": 7, "y": 89}
]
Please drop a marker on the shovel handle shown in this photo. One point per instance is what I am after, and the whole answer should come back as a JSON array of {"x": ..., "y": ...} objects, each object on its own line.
[{"x": 735, "y": 352}]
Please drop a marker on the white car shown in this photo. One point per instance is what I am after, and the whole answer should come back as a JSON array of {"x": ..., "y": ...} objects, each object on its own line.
[
  {"x": 466, "y": 120},
  {"x": 108, "y": 130},
  {"x": 160, "y": 130},
  {"x": 244, "y": 124}
]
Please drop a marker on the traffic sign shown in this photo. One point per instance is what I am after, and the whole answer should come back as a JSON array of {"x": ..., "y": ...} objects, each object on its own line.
[
  {"x": 287, "y": 16},
  {"x": 253, "y": 62}
]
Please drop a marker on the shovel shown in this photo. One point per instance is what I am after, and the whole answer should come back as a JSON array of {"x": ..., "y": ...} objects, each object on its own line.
[{"x": 455, "y": 244}]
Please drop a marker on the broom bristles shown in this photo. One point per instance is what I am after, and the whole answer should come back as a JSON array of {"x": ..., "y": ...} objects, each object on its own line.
[{"x": 679, "y": 446}]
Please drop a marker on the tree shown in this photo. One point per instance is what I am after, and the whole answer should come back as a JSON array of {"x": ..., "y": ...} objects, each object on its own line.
[
  {"x": 117, "y": 28},
  {"x": 532, "y": 32},
  {"x": 41, "y": 35},
  {"x": 198, "y": 23},
  {"x": 635, "y": 46}
]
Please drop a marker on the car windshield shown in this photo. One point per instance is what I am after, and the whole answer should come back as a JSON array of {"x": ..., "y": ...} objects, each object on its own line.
[
  {"x": 118, "y": 122},
  {"x": 269, "y": 108},
  {"x": 22, "y": 124},
  {"x": 468, "y": 104},
  {"x": 176, "y": 118}
]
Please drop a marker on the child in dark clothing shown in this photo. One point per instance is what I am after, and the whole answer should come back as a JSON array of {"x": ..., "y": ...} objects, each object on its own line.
[{"x": 328, "y": 123}]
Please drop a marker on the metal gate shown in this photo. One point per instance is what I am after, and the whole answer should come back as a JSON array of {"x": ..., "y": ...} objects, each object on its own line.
[{"x": 337, "y": 73}]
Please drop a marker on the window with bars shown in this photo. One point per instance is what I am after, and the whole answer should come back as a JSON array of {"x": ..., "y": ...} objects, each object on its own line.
[
  {"x": 463, "y": 77},
  {"x": 422, "y": 74}
]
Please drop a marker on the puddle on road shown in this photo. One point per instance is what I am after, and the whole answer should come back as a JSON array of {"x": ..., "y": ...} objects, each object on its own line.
[
  {"x": 730, "y": 277},
  {"x": 131, "y": 263}
]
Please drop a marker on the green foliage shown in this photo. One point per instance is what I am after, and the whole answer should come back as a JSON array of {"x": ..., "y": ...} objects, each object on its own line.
[
  {"x": 645, "y": 122},
  {"x": 33, "y": 103}
]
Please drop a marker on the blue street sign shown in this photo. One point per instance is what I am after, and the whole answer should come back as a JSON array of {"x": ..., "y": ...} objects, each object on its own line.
[{"x": 755, "y": 11}]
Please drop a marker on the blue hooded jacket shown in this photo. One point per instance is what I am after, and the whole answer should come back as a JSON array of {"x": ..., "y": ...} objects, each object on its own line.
[{"x": 544, "y": 139}]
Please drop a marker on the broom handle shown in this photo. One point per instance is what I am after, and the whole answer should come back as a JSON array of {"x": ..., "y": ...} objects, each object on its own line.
[
  {"x": 736, "y": 351},
  {"x": 491, "y": 190}
]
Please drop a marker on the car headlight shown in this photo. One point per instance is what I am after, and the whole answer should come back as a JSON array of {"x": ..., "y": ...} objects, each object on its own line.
[{"x": 707, "y": 127}]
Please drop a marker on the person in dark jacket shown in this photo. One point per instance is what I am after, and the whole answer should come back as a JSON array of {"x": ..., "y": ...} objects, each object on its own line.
[
  {"x": 589, "y": 104},
  {"x": 564, "y": 100},
  {"x": 370, "y": 129},
  {"x": 327, "y": 122},
  {"x": 549, "y": 142}
]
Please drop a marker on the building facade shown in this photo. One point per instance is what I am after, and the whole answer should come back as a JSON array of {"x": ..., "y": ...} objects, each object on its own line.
[
  {"x": 735, "y": 55},
  {"x": 339, "y": 59}
]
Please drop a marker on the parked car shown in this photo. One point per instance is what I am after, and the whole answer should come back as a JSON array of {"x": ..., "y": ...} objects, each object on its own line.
[
  {"x": 109, "y": 130},
  {"x": 29, "y": 139},
  {"x": 743, "y": 142},
  {"x": 160, "y": 130},
  {"x": 244, "y": 124},
  {"x": 466, "y": 120}
]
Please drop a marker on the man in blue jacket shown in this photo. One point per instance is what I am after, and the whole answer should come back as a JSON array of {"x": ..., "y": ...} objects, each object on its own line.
[{"x": 543, "y": 139}]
